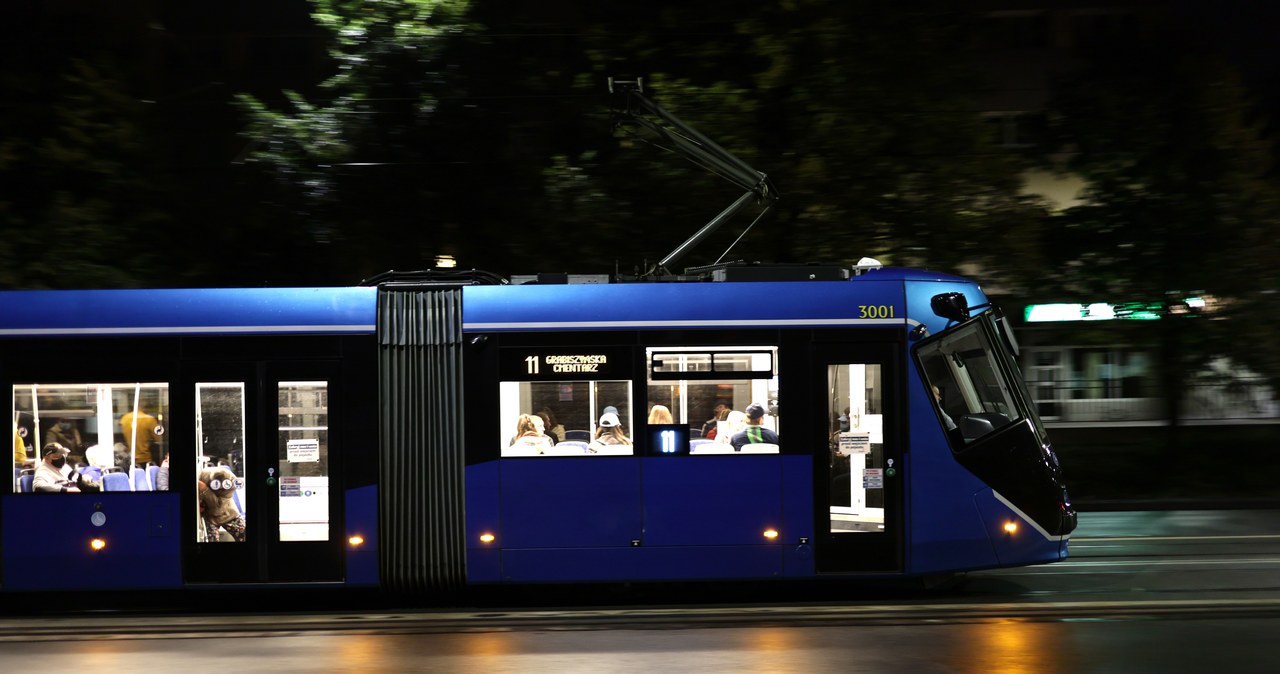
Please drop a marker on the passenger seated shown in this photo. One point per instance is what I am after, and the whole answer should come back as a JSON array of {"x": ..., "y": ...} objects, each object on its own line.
[
  {"x": 543, "y": 421},
  {"x": 659, "y": 414},
  {"x": 709, "y": 427},
  {"x": 162, "y": 476},
  {"x": 553, "y": 428},
  {"x": 531, "y": 434},
  {"x": 755, "y": 432},
  {"x": 65, "y": 433},
  {"x": 610, "y": 432},
  {"x": 216, "y": 491},
  {"x": 49, "y": 475},
  {"x": 733, "y": 422},
  {"x": 89, "y": 476},
  {"x": 100, "y": 458}
]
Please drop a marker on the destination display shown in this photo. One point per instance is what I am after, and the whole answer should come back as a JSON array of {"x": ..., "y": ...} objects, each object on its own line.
[{"x": 565, "y": 364}]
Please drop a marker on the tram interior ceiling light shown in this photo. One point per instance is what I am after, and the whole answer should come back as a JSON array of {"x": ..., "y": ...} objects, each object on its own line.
[{"x": 446, "y": 262}]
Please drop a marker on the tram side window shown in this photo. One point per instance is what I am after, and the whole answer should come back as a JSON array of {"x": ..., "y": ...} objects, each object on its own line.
[
  {"x": 220, "y": 447},
  {"x": 303, "y": 454},
  {"x": 727, "y": 396},
  {"x": 90, "y": 437},
  {"x": 970, "y": 392},
  {"x": 565, "y": 418}
]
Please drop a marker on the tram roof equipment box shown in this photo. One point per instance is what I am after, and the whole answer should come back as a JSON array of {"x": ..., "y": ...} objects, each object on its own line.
[{"x": 771, "y": 272}]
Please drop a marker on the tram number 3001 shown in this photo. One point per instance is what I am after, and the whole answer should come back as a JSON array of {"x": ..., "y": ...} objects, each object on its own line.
[{"x": 875, "y": 311}]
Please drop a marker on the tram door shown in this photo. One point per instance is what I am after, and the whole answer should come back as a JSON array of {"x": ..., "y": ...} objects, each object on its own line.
[
  {"x": 263, "y": 499},
  {"x": 859, "y": 480}
]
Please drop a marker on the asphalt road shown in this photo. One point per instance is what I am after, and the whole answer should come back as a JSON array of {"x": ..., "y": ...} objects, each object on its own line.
[{"x": 1174, "y": 591}]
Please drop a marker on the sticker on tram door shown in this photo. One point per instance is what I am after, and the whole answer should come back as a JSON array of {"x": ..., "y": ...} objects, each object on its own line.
[
  {"x": 855, "y": 442},
  {"x": 872, "y": 478}
]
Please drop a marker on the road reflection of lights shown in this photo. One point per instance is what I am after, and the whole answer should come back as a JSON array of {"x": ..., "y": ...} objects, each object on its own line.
[
  {"x": 491, "y": 644},
  {"x": 359, "y": 652},
  {"x": 773, "y": 639},
  {"x": 103, "y": 656},
  {"x": 1009, "y": 647}
]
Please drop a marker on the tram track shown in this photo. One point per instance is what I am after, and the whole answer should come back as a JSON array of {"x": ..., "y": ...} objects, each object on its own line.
[{"x": 109, "y": 627}]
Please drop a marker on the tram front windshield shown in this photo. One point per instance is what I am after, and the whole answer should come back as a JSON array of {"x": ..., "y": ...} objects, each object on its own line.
[{"x": 975, "y": 383}]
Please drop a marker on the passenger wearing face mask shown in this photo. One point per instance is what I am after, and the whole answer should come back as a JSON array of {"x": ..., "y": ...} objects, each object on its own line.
[
  {"x": 66, "y": 434},
  {"x": 49, "y": 475}
]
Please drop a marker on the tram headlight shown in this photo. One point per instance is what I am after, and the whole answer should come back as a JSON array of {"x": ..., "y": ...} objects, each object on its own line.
[
  {"x": 97, "y": 544},
  {"x": 356, "y": 540},
  {"x": 771, "y": 533},
  {"x": 486, "y": 537},
  {"x": 1011, "y": 527}
]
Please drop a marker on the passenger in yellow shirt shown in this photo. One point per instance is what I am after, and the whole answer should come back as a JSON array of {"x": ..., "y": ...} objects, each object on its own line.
[
  {"x": 19, "y": 448},
  {"x": 145, "y": 438}
]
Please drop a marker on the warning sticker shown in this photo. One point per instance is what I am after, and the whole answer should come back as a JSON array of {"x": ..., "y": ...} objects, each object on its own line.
[
  {"x": 855, "y": 443},
  {"x": 306, "y": 450}
]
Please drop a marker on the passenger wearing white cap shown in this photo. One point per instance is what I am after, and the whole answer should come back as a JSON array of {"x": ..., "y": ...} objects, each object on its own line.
[
  {"x": 49, "y": 477},
  {"x": 610, "y": 431}
]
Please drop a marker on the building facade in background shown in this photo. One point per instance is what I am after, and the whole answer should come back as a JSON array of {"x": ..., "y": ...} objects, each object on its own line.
[
  {"x": 1096, "y": 362},
  {"x": 1099, "y": 363}
]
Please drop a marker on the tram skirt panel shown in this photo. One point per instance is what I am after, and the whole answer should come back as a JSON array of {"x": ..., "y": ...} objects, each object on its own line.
[{"x": 422, "y": 463}]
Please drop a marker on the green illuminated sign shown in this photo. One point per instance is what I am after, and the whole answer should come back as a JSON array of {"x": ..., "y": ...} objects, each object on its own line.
[{"x": 1098, "y": 311}]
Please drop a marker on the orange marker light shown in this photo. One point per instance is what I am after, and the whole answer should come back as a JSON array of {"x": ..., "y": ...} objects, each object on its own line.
[
  {"x": 486, "y": 538},
  {"x": 1011, "y": 527},
  {"x": 771, "y": 533},
  {"x": 356, "y": 540},
  {"x": 97, "y": 544}
]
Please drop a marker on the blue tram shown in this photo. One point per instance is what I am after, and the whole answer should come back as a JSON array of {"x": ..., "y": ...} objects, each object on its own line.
[{"x": 429, "y": 434}]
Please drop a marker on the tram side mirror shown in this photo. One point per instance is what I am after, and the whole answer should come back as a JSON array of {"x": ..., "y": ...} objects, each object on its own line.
[{"x": 951, "y": 306}]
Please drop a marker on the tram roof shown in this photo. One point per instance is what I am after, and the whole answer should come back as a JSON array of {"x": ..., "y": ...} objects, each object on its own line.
[
  {"x": 352, "y": 310},
  {"x": 198, "y": 311},
  {"x": 695, "y": 305}
]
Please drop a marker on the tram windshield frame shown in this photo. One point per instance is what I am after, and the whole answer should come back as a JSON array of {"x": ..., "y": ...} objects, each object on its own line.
[{"x": 974, "y": 382}]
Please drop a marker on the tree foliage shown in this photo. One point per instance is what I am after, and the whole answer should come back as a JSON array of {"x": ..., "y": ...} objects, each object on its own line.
[
  {"x": 863, "y": 118},
  {"x": 487, "y": 136},
  {"x": 357, "y": 160},
  {"x": 1182, "y": 200},
  {"x": 77, "y": 165}
]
